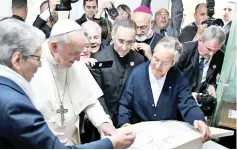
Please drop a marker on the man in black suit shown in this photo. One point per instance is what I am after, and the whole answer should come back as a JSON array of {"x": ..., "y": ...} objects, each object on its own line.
[
  {"x": 193, "y": 31},
  {"x": 202, "y": 60},
  {"x": 19, "y": 9},
  {"x": 48, "y": 16},
  {"x": 112, "y": 80},
  {"x": 227, "y": 17},
  {"x": 94, "y": 14}
]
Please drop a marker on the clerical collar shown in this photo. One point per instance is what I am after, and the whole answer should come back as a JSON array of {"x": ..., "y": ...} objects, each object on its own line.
[
  {"x": 18, "y": 17},
  {"x": 122, "y": 60}
]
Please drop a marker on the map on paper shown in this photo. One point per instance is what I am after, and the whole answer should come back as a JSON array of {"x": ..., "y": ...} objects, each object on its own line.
[{"x": 170, "y": 134}]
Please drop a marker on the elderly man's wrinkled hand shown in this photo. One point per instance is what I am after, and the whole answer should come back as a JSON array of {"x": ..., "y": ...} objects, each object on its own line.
[{"x": 123, "y": 138}]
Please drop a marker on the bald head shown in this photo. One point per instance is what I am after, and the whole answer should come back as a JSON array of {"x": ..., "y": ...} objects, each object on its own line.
[
  {"x": 162, "y": 18},
  {"x": 200, "y": 14}
]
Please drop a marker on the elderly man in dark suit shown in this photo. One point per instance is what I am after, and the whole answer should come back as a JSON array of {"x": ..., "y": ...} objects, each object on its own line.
[
  {"x": 202, "y": 60},
  {"x": 22, "y": 126},
  {"x": 156, "y": 90},
  {"x": 112, "y": 80},
  {"x": 169, "y": 26}
]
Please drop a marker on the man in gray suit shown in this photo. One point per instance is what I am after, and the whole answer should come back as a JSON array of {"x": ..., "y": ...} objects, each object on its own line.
[{"x": 169, "y": 26}]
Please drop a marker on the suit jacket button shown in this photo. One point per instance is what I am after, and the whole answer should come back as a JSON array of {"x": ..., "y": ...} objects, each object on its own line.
[
  {"x": 153, "y": 105},
  {"x": 154, "y": 115}
]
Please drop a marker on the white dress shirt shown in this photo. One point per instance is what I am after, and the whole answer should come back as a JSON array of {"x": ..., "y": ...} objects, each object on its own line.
[{"x": 156, "y": 85}]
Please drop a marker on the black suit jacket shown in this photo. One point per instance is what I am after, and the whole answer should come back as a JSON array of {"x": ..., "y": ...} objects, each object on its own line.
[
  {"x": 102, "y": 22},
  {"x": 42, "y": 25},
  {"x": 227, "y": 31},
  {"x": 188, "y": 33},
  {"x": 108, "y": 78},
  {"x": 189, "y": 65}
]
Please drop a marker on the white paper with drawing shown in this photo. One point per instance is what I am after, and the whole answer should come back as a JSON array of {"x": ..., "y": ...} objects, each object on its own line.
[{"x": 170, "y": 134}]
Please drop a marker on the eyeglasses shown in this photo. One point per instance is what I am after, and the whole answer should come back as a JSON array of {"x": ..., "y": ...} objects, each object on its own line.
[
  {"x": 38, "y": 58},
  {"x": 163, "y": 64},
  {"x": 142, "y": 28}
]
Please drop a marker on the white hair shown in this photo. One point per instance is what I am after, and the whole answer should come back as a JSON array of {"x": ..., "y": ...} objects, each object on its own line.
[
  {"x": 91, "y": 26},
  {"x": 172, "y": 45},
  {"x": 16, "y": 36}
]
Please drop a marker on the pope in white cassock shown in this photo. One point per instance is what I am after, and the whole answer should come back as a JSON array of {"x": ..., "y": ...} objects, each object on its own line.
[{"x": 64, "y": 87}]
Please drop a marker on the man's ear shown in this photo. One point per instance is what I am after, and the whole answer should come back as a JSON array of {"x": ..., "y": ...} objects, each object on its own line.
[
  {"x": 16, "y": 60},
  {"x": 195, "y": 16},
  {"x": 153, "y": 22},
  {"x": 54, "y": 47}
]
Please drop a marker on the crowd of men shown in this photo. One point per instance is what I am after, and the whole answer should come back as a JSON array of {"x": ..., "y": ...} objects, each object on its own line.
[{"x": 52, "y": 97}]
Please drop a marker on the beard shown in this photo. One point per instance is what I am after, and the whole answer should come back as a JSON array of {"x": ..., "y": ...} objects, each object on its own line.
[
  {"x": 145, "y": 36},
  {"x": 141, "y": 38}
]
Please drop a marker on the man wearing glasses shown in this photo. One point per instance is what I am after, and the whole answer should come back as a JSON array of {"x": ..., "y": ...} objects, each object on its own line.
[
  {"x": 146, "y": 38},
  {"x": 202, "y": 60},
  {"x": 156, "y": 90},
  {"x": 112, "y": 80}
]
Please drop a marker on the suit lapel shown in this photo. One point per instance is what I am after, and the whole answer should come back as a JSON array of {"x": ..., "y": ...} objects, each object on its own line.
[
  {"x": 195, "y": 65},
  {"x": 113, "y": 70},
  {"x": 211, "y": 68}
]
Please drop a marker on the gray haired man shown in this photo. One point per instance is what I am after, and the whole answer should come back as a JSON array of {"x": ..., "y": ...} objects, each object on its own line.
[
  {"x": 112, "y": 80},
  {"x": 202, "y": 60}
]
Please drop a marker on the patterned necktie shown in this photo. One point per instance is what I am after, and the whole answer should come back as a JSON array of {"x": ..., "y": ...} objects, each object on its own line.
[
  {"x": 162, "y": 32},
  {"x": 201, "y": 63}
]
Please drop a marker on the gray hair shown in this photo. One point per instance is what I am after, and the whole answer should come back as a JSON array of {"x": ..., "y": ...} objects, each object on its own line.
[
  {"x": 128, "y": 23},
  {"x": 16, "y": 36},
  {"x": 172, "y": 45},
  {"x": 91, "y": 25},
  {"x": 214, "y": 33},
  {"x": 18, "y": 4}
]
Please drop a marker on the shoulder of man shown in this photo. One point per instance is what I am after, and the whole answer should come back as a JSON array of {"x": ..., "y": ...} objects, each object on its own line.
[
  {"x": 190, "y": 27},
  {"x": 81, "y": 20},
  {"x": 102, "y": 54},
  {"x": 190, "y": 46},
  {"x": 137, "y": 56}
]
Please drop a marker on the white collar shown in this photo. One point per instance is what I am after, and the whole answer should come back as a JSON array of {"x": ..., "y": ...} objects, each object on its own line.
[{"x": 18, "y": 79}]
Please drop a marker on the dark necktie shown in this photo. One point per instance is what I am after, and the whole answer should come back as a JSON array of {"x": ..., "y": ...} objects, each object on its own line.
[
  {"x": 200, "y": 72},
  {"x": 162, "y": 32},
  {"x": 201, "y": 63}
]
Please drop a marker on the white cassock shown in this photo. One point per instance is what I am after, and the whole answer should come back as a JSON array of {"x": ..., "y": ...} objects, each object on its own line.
[{"x": 75, "y": 88}]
